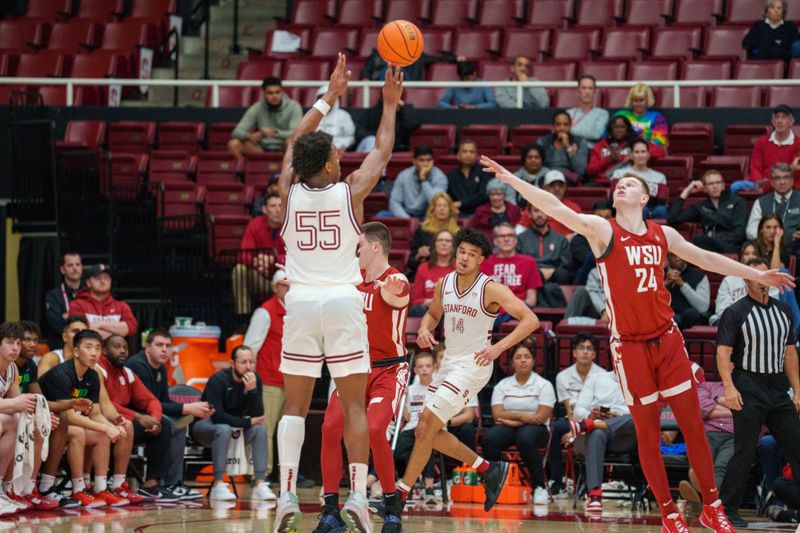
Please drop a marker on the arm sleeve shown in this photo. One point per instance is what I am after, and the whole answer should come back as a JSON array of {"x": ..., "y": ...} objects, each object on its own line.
[
  {"x": 257, "y": 330},
  {"x": 739, "y": 225},
  {"x": 54, "y": 312},
  {"x": 479, "y": 198},
  {"x": 707, "y": 403},
  {"x": 561, "y": 387},
  {"x": 396, "y": 198},
  {"x": 505, "y": 98},
  {"x": 445, "y": 101},
  {"x": 548, "y": 395},
  {"x": 677, "y": 214},
  {"x": 752, "y": 224},
  {"x": 751, "y": 39},
  {"x": 295, "y": 113},
  {"x": 124, "y": 411},
  {"x": 540, "y": 97},
  {"x": 213, "y": 395},
  {"x": 129, "y": 319},
  {"x": 144, "y": 400},
  {"x": 76, "y": 307},
  {"x": 246, "y": 124},
  {"x": 595, "y": 290},
  {"x": 699, "y": 297},
  {"x": 255, "y": 407},
  {"x": 597, "y": 163},
  {"x": 580, "y": 159},
  {"x": 436, "y": 182},
  {"x": 498, "y": 394},
  {"x": 728, "y": 328},
  {"x": 488, "y": 99}
]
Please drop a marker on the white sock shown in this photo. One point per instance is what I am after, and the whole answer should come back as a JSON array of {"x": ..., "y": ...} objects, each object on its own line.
[
  {"x": 100, "y": 483},
  {"x": 291, "y": 434},
  {"x": 87, "y": 480},
  {"x": 78, "y": 485},
  {"x": 358, "y": 478},
  {"x": 28, "y": 488},
  {"x": 47, "y": 482},
  {"x": 117, "y": 481}
]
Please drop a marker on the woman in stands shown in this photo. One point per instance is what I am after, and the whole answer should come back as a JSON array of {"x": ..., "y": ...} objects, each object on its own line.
[
  {"x": 532, "y": 169},
  {"x": 771, "y": 242},
  {"x": 612, "y": 151},
  {"x": 521, "y": 408},
  {"x": 774, "y": 37},
  {"x": 647, "y": 123},
  {"x": 438, "y": 265},
  {"x": 441, "y": 215}
]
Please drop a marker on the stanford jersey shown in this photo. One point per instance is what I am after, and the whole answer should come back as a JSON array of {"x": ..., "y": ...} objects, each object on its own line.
[
  {"x": 632, "y": 274},
  {"x": 467, "y": 323},
  {"x": 386, "y": 324}
]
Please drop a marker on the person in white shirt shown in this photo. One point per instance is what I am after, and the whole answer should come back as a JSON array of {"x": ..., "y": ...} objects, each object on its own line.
[
  {"x": 521, "y": 408},
  {"x": 733, "y": 288},
  {"x": 602, "y": 417},
  {"x": 338, "y": 124},
  {"x": 588, "y": 121}
]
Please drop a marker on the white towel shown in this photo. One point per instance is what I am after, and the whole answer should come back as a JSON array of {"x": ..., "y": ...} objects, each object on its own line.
[
  {"x": 27, "y": 424},
  {"x": 239, "y": 462}
]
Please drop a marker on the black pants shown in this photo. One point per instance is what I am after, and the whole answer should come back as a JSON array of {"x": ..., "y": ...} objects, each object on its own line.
[
  {"x": 402, "y": 453},
  {"x": 156, "y": 447},
  {"x": 528, "y": 439},
  {"x": 464, "y": 433},
  {"x": 554, "y": 457},
  {"x": 689, "y": 318},
  {"x": 764, "y": 402},
  {"x": 787, "y": 491}
]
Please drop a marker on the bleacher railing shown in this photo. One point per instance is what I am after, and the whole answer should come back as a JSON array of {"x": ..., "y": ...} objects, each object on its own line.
[{"x": 365, "y": 86}]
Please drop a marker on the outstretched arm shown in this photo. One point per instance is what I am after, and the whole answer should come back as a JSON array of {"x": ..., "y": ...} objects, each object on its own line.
[
  {"x": 720, "y": 264},
  {"x": 501, "y": 296}
]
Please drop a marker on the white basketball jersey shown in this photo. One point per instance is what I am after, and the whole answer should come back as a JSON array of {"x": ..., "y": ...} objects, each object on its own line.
[
  {"x": 321, "y": 236},
  {"x": 7, "y": 380},
  {"x": 467, "y": 323}
]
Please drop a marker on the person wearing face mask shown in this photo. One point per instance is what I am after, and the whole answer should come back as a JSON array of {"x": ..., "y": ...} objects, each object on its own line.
[
  {"x": 657, "y": 182},
  {"x": 266, "y": 124},
  {"x": 532, "y": 97},
  {"x": 588, "y": 121},
  {"x": 103, "y": 312},
  {"x": 647, "y": 123},
  {"x": 564, "y": 151},
  {"x": 58, "y": 298},
  {"x": 774, "y": 37}
]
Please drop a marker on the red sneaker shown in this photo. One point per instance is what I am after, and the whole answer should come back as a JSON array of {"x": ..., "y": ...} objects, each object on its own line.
[
  {"x": 19, "y": 500},
  {"x": 87, "y": 500},
  {"x": 674, "y": 523},
  {"x": 39, "y": 503},
  {"x": 124, "y": 491},
  {"x": 713, "y": 517},
  {"x": 111, "y": 499}
]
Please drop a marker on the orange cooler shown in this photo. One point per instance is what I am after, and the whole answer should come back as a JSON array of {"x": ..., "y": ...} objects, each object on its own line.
[{"x": 194, "y": 351}]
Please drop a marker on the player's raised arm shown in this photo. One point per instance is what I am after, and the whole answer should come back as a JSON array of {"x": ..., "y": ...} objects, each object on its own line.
[
  {"x": 425, "y": 338},
  {"x": 501, "y": 296},
  {"x": 588, "y": 225},
  {"x": 337, "y": 86},
  {"x": 721, "y": 264}
]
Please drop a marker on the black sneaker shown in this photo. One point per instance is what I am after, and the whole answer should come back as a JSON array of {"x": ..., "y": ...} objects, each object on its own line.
[
  {"x": 184, "y": 493},
  {"x": 493, "y": 481},
  {"x": 304, "y": 482},
  {"x": 736, "y": 521},
  {"x": 167, "y": 496},
  {"x": 330, "y": 523},
  {"x": 150, "y": 494},
  {"x": 392, "y": 524},
  {"x": 64, "y": 501}
]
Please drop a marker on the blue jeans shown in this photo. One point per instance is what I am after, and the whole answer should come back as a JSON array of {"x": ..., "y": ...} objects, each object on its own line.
[{"x": 658, "y": 211}]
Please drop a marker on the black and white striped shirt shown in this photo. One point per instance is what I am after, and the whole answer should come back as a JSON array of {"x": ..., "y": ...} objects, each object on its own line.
[{"x": 758, "y": 334}]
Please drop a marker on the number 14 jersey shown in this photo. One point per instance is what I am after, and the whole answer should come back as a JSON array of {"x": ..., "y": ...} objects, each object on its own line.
[
  {"x": 632, "y": 274},
  {"x": 467, "y": 323}
]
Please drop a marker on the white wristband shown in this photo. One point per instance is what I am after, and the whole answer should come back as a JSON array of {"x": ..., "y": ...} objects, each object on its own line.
[{"x": 322, "y": 106}]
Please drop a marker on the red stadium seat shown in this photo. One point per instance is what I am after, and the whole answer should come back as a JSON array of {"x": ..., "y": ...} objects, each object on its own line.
[
  {"x": 305, "y": 96},
  {"x": 128, "y": 170},
  {"x": 454, "y": 13},
  {"x": 219, "y": 133},
  {"x": 399, "y": 259},
  {"x": 759, "y": 70},
  {"x": 690, "y": 97},
  {"x": 677, "y": 169},
  {"x": 228, "y": 198},
  {"x": 676, "y": 42},
  {"x": 566, "y": 97},
  {"x": 131, "y": 136},
  {"x": 736, "y": 97},
  {"x": 258, "y": 70},
  {"x": 98, "y": 64},
  {"x": 185, "y": 136},
  {"x": 20, "y": 34},
  {"x": 555, "y": 71},
  {"x": 48, "y": 10},
  {"x": 180, "y": 198},
  {"x": 232, "y": 97},
  {"x": 625, "y": 43},
  {"x": 494, "y": 70},
  {"x": 56, "y": 95},
  {"x": 375, "y": 203},
  {"x": 74, "y": 36},
  {"x": 8, "y": 63},
  {"x": 724, "y": 43},
  {"x": 550, "y": 13},
  {"x": 477, "y": 44},
  {"x": 369, "y": 42},
  {"x": 356, "y": 97},
  {"x": 501, "y": 13},
  {"x": 598, "y": 13},
  {"x": 303, "y": 32},
  {"x": 227, "y": 232},
  {"x": 359, "y": 13},
  {"x": 647, "y": 12},
  {"x": 694, "y": 12},
  {"x": 616, "y": 96},
  {"x": 605, "y": 70},
  {"x": 691, "y": 138},
  {"x": 152, "y": 9},
  {"x": 586, "y": 197},
  {"x": 218, "y": 167},
  {"x": 442, "y": 72},
  {"x": 490, "y": 138},
  {"x": 83, "y": 134},
  {"x": 524, "y": 42},
  {"x": 794, "y": 69},
  {"x": 307, "y": 69},
  {"x": 706, "y": 70},
  {"x": 310, "y": 13},
  {"x": 437, "y": 41},
  {"x": 258, "y": 168},
  {"x": 171, "y": 166},
  {"x": 327, "y": 42},
  {"x": 653, "y": 70},
  {"x": 440, "y": 137},
  {"x": 410, "y": 10},
  {"x": 782, "y": 94},
  {"x": 422, "y": 97},
  {"x": 574, "y": 44},
  {"x": 743, "y": 12},
  {"x": 42, "y": 65},
  {"x": 399, "y": 162},
  {"x": 125, "y": 36},
  {"x": 100, "y": 10},
  {"x": 740, "y": 138},
  {"x": 349, "y": 162},
  {"x": 732, "y": 167},
  {"x": 526, "y": 134}
]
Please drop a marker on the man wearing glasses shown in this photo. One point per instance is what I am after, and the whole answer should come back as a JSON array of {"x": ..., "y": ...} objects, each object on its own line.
[
  {"x": 532, "y": 97},
  {"x": 782, "y": 201}
]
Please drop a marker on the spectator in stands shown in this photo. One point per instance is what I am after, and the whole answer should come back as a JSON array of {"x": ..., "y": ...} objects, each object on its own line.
[
  {"x": 588, "y": 300},
  {"x": 772, "y": 247},
  {"x": 532, "y": 169},
  {"x": 564, "y": 151},
  {"x": 58, "y": 298},
  {"x": 783, "y": 201},
  {"x": 264, "y": 233},
  {"x": 780, "y": 146},
  {"x": 786, "y": 491},
  {"x": 441, "y": 214},
  {"x": 551, "y": 251},
  {"x": 657, "y": 182},
  {"x": 532, "y": 97},
  {"x": 375, "y": 67},
  {"x": 518, "y": 272},
  {"x": 588, "y": 121},
  {"x": 648, "y": 124},
  {"x": 265, "y": 336},
  {"x": 149, "y": 365},
  {"x": 467, "y": 97},
  {"x": 582, "y": 257},
  {"x": 274, "y": 118},
  {"x": 338, "y": 124},
  {"x": 722, "y": 215},
  {"x": 521, "y": 408},
  {"x": 555, "y": 183},
  {"x": 416, "y": 185},
  {"x": 732, "y": 288},
  {"x": 235, "y": 396},
  {"x": 690, "y": 291},
  {"x": 466, "y": 183},
  {"x": 497, "y": 211},
  {"x": 774, "y": 37},
  {"x": 602, "y": 414},
  {"x": 406, "y": 121},
  {"x": 612, "y": 152},
  {"x": 438, "y": 265},
  {"x": 104, "y": 314}
]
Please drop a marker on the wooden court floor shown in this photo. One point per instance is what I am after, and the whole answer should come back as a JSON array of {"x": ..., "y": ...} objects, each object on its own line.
[{"x": 246, "y": 516}]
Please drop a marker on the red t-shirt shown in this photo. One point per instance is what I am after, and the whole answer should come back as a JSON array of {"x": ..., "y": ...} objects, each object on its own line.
[
  {"x": 425, "y": 281},
  {"x": 766, "y": 153},
  {"x": 258, "y": 234},
  {"x": 518, "y": 272}
]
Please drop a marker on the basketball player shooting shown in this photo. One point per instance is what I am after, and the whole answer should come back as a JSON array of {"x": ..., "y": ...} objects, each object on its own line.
[
  {"x": 647, "y": 348},
  {"x": 468, "y": 301},
  {"x": 324, "y": 310}
]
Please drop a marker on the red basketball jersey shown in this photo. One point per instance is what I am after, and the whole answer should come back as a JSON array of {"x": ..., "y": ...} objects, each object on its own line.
[
  {"x": 386, "y": 324},
  {"x": 632, "y": 274}
]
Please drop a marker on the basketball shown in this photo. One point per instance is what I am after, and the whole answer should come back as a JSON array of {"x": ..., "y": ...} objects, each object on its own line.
[{"x": 400, "y": 43}]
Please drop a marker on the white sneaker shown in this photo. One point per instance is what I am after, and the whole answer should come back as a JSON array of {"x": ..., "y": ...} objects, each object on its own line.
[
  {"x": 7, "y": 510},
  {"x": 221, "y": 492},
  {"x": 288, "y": 514},
  {"x": 262, "y": 492},
  {"x": 540, "y": 496},
  {"x": 5, "y": 501},
  {"x": 355, "y": 513},
  {"x": 376, "y": 491}
]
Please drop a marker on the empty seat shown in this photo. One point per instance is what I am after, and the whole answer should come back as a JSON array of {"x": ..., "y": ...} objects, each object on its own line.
[
  {"x": 83, "y": 134},
  {"x": 358, "y": 13},
  {"x": 442, "y": 72},
  {"x": 691, "y": 138},
  {"x": 625, "y": 43},
  {"x": 550, "y": 13},
  {"x": 422, "y": 97},
  {"x": 49, "y": 10},
  {"x": 724, "y": 43},
  {"x": 706, "y": 70},
  {"x": 401, "y": 229},
  {"x": 219, "y": 133},
  {"x": 689, "y": 97},
  {"x": 232, "y": 97},
  {"x": 759, "y": 70},
  {"x": 217, "y": 167},
  {"x": 128, "y": 171},
  {"x": 782, "y": 94},
  {"x": 171, "y": 166},
  {"x": 732, "y": 167},
  {"x": 20, "y": 34},
  {"x": 676, "y": 42},
  {"x": 454, "y": 13},
  {"x": 185, "y": 136},
  {"x": 605, "y": 70},
  {"x": 227, "y": 232},
  {"x": 399, "y": 162},
  {"x": 616, "y": 96},
  {"x": 98, "y": 64},
  {"x": 648, "y": 12},
  {"x": 369, "y": 42},
  {"x": 410, "y": 10},
  {"x": 574, "y": 44},
  {"x": 356, "y": 97},
  {"x": 526, "y": 134},
  {"x": 74, "y": 36},
  {"x": 598, "y": 13},
  {"x": 258, "y": 70},
  {"x": 677, "y": 169},
  {"x": 327, "y": 42},
  {"x": 494, "y": 70},
  {"x": 744, "y": 12},
  {"x": 586, "y": 197},
  {"x": 228, "y": 198},
  {"x": 307, "y": 69},
  {"x": 374, "y": 203},
  {"x": 258, "y": 168},
  {"x": 490, "y": 138},
  {"x": 524, "y": 42},
  {"x": 693, "y": 12},
  {"x": 349, "y": 162},
  {"x": 653, "y": 70},
  {"x": 477, "y": 44},
  {"x": 500, "y": 13},
  {"x": 42, "y": 65},
  {"x": 736, "y": 97},
  {"x": 310, "y": 13},
  {"x": 126, "y": 36},
  {"x": 740, "y": 138},
  {"x": 440, "y": 137},
  {"x": 304, "y": 34},
  {"x": 794, "y": 69},
  {"x": 152, "y": 9},
  {"x": 131, "y": 136},
  {"x": 555, "y": 71},
  {"x": 100, "y": 10},
  {"x": 566, "y": 97}
]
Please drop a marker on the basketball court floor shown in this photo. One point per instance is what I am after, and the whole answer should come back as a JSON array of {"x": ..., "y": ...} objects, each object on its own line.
[{"x": 245, "y": 516}]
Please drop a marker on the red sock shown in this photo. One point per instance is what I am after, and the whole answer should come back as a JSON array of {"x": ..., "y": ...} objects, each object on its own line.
[
  {"x": 481, "y": 465},
  {"x": 647, "y": 421},
  {"x": 331, "y": 454}
]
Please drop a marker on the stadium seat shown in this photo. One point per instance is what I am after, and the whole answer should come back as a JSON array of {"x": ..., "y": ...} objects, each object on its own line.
[
  {"x": 759, "y": 70},
  {"x": 550, "y": 13},
  {"x": 647, "y": 13},
  {"x": 402, "y": 231},
  {"x": 56, "y": 95},
  {"x": 454, "y": 13},
  {"x": 442, "y": 72},
  {"x": 311, "y": 13},
  {"x": 500, "y": 13},
  {"x": 677, "y": 169},
  {"x": 258, "y": 168},
  {"x": 72, "y": 37},
  {"x": 100, "y": 10},
  {"x": 526, "y": 42},
  {"x": 701, "y": 347},
  {"x": 327, "y": 42},
  {"x": 440, "y": 137},
  {"x": 676, "y": 42},
  {"x": 171, "y": 166},
  {"x": 227, "y": 232},
  {"x": 690, "y": 97},
  {"x": 724, "y": 43},
  {"x": 411, "y": 10},
  {"x": 306, "y": 69},
  {"x": 574, "y": 44},
  {"x": 493, "y": 70},
  {"x": 303, "y": 32},
  {"x": 45, "y": 64},
  {"x": 48, "y": 10},
  {"x": 180, "y": 198},
  {"x": 615, "y": 97},
  {"x": 740, "y": 138},
  {"x": 125, "y": 36},
  {"x": 399, "y": 162},
  {"x": 586, "y": 197},
  {"x": 356, "y": 97},
  {"x": 258, "y": 70},
  {"x": 152, "y": 9},
  {"x": 228, "y": 198},
  {"x": 598, "y": 13},
  {"x": 232, "y": 97},
  {"x": 359, "y": 13},
  {"x": 98, "y": 64},
  {"x": 782, "y": 94},
  {"x": 526, "y": 134},
  {"x": 218, "y": 167},
  {"x": 490, "y": 138},
  {"x": 696, "y": 12},
  {"x": 477, "y": 44},
  {"x": 706, "y": 70},
  {"x": 566, "y": 97},
  {"x": 605, "y": 70},
  {"x": 794, "y": 69},
  {"x": 736, "y": 97},
  {"x": 743, "y": 12},
  {"x": 131, "y": 136},
  {"x": 555, "y": 70},
  {"x": 8, "y": 63},
  {"x": 422, "y": 97},
  {"x": 349, "y": 162},
  {"x": 21, "y": 34},
  {"x": 128, "y": 170},
  {"x": 565, "y": 334},
  {"x": 184, "y": 136},
  {"x": 732, "y": 167},
  {"x": 89, "y": 134},
  {"x": 369, "y": 41},
  {"x": 653, "y": 70},
  {"x": 305, "y": 96},
  {"x": 375, "y": 203},
  {"x": 399, "y": 259},
  {"x": 625, "y": 43},
  {"x": 691, "y": 138}
]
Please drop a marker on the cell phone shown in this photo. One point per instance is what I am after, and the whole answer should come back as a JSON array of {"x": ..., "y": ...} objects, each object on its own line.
[{"x": 605, "y": 409}]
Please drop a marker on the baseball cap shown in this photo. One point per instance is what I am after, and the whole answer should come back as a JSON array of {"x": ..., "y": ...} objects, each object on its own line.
[
  {"x": 553, "y": 176},
  {"x": 98, "y": 269},
  {"x": 782, "y": 108},
  {"x": 279, "y": 276}
]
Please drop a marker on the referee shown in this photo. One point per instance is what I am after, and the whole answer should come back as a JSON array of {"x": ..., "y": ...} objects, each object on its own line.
[{"x": 757, "y": 361}]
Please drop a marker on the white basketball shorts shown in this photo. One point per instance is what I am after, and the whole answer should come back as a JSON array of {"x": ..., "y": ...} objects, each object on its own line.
[{"x": 454, "y": 384}]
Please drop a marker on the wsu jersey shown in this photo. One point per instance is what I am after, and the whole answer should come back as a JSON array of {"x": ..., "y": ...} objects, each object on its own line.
[
  {"x": 386, "y": 325},
  {"x": 467, "y": 323},
  {"x": 632, "y": 274},
  {"x": 321, "y": 236}
]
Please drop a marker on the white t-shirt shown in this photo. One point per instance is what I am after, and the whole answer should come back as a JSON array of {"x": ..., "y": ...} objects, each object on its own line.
[
  {"x": 528, "y": 397},
  {"x": 601, "y": 390},
  {"x": 569, "y": 382}
]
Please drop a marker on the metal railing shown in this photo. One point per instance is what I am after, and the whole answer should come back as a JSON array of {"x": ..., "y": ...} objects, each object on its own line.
[{"x": 365, "y": 86}]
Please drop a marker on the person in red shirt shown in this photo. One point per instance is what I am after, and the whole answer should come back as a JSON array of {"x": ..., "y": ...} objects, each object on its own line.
[
  {"x": 498, "y": 210},
  {"x": 780, "y": 146},
  {"x": 263, "y": 233},
  {"x": 553, "y": 182},
  {"x": 438, "y": 265},
  {"x": 612, "y": 151},
  {"x": 104, "y": 314}
]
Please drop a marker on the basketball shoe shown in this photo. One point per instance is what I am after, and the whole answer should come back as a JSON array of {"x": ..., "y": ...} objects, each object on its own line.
[
  {"x": 713, "y": 517},
  {"x": 288, "y": 514},
  {"x": 493, "y": 481},
  {"x": 674, "y": 523},
  {"x": 355, "y": 513}
]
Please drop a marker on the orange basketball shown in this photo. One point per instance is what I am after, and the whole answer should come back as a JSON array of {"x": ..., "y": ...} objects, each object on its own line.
[{"x": 400, "y": 43}]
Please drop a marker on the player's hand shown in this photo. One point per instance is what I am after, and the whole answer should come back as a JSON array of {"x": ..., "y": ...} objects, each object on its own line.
[
  {"x": 733, "y": 400},
  {"x": 82, "y": 405},
  {"x": 249, "y": 380},
  {"x": 393, "y": 86},
  {"x": 500, "y": 172},
  {"x": 25, "y": 403},
  {"x": 340, "y": 78},
  {"x": 775, "y": 278},
  {"x": 396, "y": 285},
  {"x": 486, "y": 355},
  {"x": 425, "y": 339}
]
